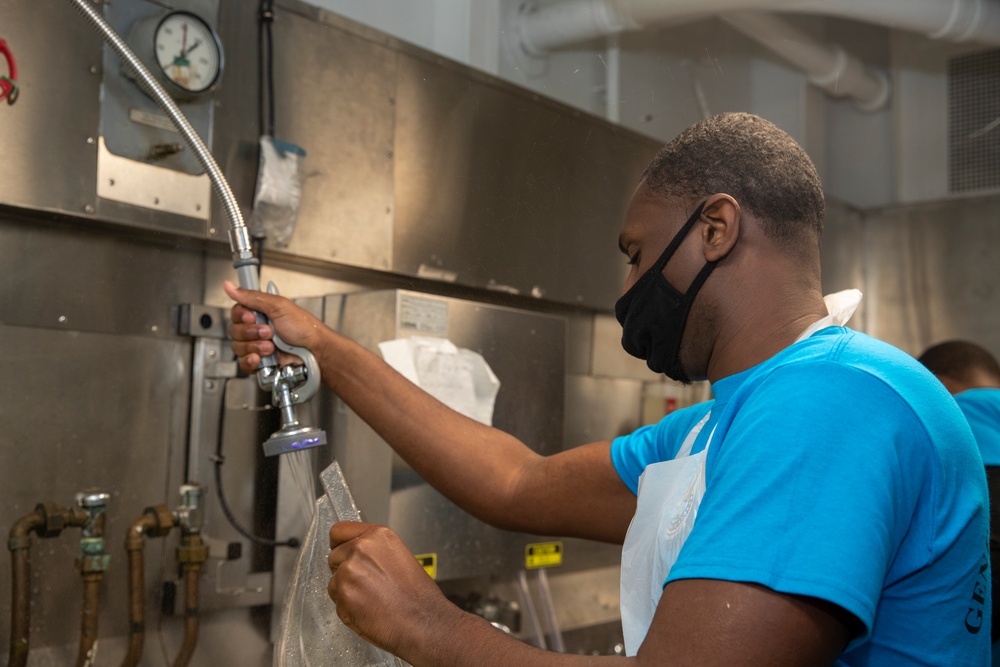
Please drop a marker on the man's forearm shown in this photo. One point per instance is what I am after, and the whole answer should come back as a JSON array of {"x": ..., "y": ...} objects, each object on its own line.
[
  {"x": 475, "y": 465},
  {"x": 471, "y": 640}
]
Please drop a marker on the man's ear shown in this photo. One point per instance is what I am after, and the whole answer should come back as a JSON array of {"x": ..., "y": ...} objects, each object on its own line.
[{"x": 722, "y": 216}]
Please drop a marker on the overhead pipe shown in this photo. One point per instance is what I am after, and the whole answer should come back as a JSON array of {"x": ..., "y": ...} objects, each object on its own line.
[
  {"x": 952, "y": 20},
  {"x": 543, "y": 29},
  {"x": 612, "y": 79},
  {"x": 827, "y": 66}
]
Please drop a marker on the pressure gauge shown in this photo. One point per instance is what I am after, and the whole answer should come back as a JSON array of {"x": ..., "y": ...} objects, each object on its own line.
[{"x": 182, "y": 50}]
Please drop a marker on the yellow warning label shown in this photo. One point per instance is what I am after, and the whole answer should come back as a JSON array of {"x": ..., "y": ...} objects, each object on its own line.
[
  {"x": 430, "y": 564},
  {"x": 543, "y": 554}
]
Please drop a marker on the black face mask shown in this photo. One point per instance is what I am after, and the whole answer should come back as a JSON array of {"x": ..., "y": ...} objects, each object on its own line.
[{"x": 653, "y": 312}]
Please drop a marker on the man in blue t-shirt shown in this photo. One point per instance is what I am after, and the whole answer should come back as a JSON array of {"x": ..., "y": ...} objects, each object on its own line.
[
  {"x": 827, "y": 507},
  {"x": 972, "y": 375}
]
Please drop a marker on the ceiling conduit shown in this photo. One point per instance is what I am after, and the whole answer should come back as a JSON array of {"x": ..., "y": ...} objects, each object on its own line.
[
  {"x": 827, "y": 66},
  {"x": 540, "y": 30}
]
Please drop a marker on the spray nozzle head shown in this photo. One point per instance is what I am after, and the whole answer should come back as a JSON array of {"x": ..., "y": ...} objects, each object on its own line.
[{"x": 292, "y": 438}]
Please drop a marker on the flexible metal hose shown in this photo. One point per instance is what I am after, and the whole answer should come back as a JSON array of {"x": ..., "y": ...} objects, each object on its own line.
[{"x": 239, "y": 237}]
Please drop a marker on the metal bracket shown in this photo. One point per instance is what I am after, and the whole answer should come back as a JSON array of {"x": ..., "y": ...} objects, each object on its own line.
[{"x": 226, "y": 583}]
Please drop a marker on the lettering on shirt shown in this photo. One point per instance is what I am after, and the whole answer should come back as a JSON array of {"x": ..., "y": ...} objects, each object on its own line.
[{"x": 977, "y": 605}]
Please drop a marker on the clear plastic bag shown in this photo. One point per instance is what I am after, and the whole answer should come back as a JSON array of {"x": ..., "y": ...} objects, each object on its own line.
[
  {"x": 312, "y": 634},
  {"x": 279, "y": 190}
]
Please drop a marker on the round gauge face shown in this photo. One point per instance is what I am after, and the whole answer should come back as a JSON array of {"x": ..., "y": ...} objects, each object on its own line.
[{"x": 188, "y": 52}]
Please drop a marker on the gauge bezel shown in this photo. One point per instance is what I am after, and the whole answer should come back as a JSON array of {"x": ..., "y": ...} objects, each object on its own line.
[{"x": 173, "y": 85}]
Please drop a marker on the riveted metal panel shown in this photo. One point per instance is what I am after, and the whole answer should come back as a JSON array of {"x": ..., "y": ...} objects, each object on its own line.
[
  {"x": 75, "y": 278},
  {"x": 49, "y": 155},
  {"x": 499, "y": 188},
  {"x": 932, "y": 273},
  {"x": 335, "y": 98}
]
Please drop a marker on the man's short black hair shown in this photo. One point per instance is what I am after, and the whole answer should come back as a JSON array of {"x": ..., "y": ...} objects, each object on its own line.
[
  {"x": 752, "y": 160},
  {"x": 959, "y": 359}
]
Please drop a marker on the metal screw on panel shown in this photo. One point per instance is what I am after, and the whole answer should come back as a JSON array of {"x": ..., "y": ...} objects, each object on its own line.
[
  {"x": 197, "y": 207},
  {"x": 211, "y": 230},
  {"x": 62, "y": 318},
  {"x": 212, "y": 353},
  {"x": 111, "y": 182},
  {"x": 93, "y": 69},
  {"x": 90, "y": 140},
  {"x": 154, "y": 328},
  {"x": 209, "y": 385},
  {"x": 388, "y": 153},
  {"x": 156, "y": 200},
  {"x": 89, "y": 208}
]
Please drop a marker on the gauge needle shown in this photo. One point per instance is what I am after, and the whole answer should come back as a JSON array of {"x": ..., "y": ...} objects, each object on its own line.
[
  {"x": 181, "y": 60},
  {"x": 193, "y": 47}
]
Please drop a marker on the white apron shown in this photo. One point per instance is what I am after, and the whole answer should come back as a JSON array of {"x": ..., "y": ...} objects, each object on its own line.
[{"x": 667, "y": 502}]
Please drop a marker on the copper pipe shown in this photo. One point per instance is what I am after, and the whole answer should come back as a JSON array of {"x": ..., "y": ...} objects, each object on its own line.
[
  {"x": 136, "y": 587},
  {"x": 48, "y": 520},
  {"x": 88, "y": 619},
  {"x": 192, "y": 575},
  {"x": 20, "y": 602}
]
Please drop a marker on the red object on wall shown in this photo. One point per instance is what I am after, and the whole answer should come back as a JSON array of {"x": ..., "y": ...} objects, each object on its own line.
[{"x": 8, "y": 84}]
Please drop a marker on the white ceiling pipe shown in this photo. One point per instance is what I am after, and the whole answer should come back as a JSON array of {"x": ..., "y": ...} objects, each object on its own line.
[
  {"x": 827, "y": 66},
  {"x": 540, "y": 30},
  {"x": 953, "y": 20}
]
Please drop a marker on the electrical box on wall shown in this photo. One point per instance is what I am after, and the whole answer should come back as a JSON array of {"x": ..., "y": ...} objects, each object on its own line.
[
  {"x": 947, "y": 119},
  {"x": 142, "y": 160}
]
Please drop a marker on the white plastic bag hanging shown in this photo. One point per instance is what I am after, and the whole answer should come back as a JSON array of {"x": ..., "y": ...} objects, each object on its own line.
[{"x": 279, "y": 190}]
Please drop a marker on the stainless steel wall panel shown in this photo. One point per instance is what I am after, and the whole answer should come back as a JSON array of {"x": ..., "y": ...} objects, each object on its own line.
[
  {"x": 609, "y": 359},
  {"x": 87, "y": 410},
  {"x": 77, "y": 279},
  {"x": 526, "y": 352},
  {"x": 49, "y": 153},
  {"x": 335, "y": 98},
  {"x": 500, "y": 189},
  {"x": 932, "y": 273},
  {"x": 843, "y": 255},
  {"x": 600, "y": 409}
]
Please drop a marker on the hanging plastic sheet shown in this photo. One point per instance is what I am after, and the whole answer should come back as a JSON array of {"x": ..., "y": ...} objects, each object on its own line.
[
  {"x": 280, "y": 177},
  {"x": 312, "y": 633}
]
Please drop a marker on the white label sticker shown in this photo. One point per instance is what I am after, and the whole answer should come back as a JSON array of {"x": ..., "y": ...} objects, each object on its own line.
[
  {"x": 424, "y": 316},
  {"x": 151, "y": 119}
]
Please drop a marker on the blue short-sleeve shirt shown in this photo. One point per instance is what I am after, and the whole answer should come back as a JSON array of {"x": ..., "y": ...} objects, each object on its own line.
[
  {"x": 841, "y": 469},
  {"x": 981, "y": 408}
]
